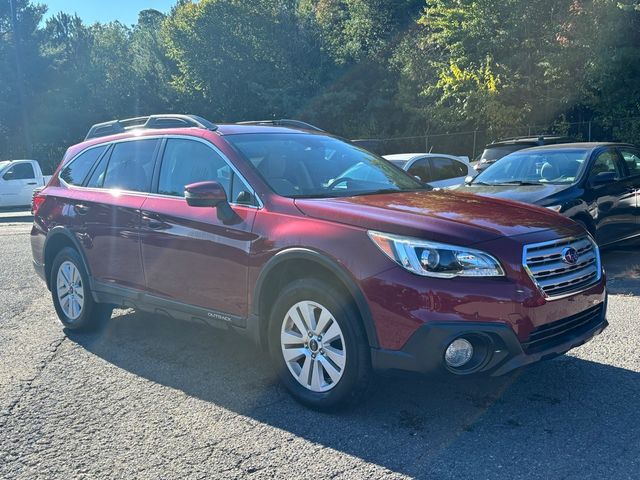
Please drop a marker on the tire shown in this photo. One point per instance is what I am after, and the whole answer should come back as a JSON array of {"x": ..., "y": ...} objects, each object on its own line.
[
  {"x": 74, "y": 304},
  {"x": 323, "y": 374}
]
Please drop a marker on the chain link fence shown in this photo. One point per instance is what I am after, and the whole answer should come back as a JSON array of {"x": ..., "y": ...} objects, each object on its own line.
[{"x": 471, "y": 143}]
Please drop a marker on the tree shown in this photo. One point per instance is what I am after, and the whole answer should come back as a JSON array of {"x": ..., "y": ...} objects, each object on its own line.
[
  {"x": 488, "y": 64},
  {"x": 243, "y": 59},
  {"x": 21, "y": 71}
]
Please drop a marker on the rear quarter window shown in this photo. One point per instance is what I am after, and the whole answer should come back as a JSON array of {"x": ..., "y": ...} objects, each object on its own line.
[{"x": 78, "y": 169}]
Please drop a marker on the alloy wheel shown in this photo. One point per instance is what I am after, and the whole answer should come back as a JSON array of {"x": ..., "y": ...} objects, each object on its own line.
[
  {"x": 70, "y": 290},
  {"x": 313, "y": 346}
]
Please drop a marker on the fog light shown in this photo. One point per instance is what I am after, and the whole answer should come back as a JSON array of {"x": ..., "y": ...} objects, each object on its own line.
[{"x": 458, "y": 353}]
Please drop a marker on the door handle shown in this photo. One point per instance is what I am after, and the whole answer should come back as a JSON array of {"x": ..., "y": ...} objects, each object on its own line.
[
  {"x": 81, "y": 209},
  {"x": 32, "y": 183},
  {"x": 152, "y": 222}
]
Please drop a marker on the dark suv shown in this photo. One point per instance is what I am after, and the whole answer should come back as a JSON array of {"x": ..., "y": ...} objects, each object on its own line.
[
  {"x": 256, "y": 228},
  {"x": 501, "y": 148}
]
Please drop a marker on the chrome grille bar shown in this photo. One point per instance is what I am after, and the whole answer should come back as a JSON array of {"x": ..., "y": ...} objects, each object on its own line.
[{"x": 553, "y": 274}]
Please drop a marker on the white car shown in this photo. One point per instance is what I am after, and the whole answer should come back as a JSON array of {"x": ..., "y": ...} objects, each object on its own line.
[
  {"x": 436, "y": 169},
  {"x": 18, "y": 180}
]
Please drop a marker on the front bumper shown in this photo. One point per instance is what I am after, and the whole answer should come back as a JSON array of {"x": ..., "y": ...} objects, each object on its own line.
[{"x": 424, "y": 352}]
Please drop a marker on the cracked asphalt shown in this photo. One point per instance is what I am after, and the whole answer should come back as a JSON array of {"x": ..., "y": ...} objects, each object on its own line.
[{"x": 149, "y": 398}]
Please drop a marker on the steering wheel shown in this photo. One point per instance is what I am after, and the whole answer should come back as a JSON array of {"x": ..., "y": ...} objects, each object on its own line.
[{"x": 338, "y": 181}]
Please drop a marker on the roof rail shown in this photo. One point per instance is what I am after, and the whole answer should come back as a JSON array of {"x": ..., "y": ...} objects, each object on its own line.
[
  {"x": 149, "y": 122},
  {"x": 284, "y": 122},
  {"x": 532, "y": 137}
]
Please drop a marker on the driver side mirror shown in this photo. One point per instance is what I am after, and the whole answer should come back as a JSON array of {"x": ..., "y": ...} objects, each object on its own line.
[
  {"x": 602, "y": 178},
  {"x": 210, "y": 194},
  {"x": 205, "y": 194},
  {"x": 468, "y": 179}
]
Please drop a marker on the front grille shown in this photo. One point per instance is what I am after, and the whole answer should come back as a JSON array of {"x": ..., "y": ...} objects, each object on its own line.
[
  {"x": 546, "y": 265},
  {"x": 563, "y": 330}
]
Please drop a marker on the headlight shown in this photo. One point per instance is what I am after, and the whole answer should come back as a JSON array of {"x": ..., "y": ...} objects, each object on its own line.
[
  {"x": 555, "y": 208},
  {"x": 432, "y": 259}
]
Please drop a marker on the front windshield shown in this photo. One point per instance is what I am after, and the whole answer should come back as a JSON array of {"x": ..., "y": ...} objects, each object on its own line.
[
  {"x": 537, "y": 166},
  {"x": 304, "y": 165}
]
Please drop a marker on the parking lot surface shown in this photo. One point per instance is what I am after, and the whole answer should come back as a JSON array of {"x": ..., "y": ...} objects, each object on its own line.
[{"x": 148, "y": 398}]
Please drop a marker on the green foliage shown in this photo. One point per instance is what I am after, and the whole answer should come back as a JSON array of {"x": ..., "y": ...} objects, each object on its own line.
[
  {"x": 359, "y": 68},
  {"x": 356, "y": 30},
  {"x": 21, "y": 72},
  {"x": 243, "y": 59}
]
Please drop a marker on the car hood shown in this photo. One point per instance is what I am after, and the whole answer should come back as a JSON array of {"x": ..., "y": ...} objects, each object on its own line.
[
  {"x": 445, "y": 216},
  {"x": 519, "y": 193}
]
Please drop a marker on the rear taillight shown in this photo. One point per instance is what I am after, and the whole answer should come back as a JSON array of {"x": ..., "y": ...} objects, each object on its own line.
[{"x": 37, "y": 200}]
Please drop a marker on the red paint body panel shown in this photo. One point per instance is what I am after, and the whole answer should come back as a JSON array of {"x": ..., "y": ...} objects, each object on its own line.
[
  {"x": 442, "y": 215},
  {"x": 402, "y": 302},
  {"x": 191, "y": 257}
]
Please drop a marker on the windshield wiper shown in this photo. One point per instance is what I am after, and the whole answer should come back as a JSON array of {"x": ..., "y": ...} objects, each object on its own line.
[
  {"x": 480, "y": 183},
  {"x": 516, "y": 182},
  {"x": 378, "y": 192},
  {"x": 315, "y": 195},
  {"x": 387, "y": 190}
]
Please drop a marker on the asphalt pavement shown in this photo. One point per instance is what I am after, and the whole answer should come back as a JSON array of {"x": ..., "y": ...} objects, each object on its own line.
[{"x": 149, "y": 398}]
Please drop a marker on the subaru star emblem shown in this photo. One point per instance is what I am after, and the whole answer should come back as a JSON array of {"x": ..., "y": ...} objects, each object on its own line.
[{"x": 570, "y": 256}]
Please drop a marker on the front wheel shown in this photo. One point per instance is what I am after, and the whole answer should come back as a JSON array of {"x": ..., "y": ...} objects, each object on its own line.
[
  {"x": 318, "y": 346},
  {"x": 72, "y": 298}
]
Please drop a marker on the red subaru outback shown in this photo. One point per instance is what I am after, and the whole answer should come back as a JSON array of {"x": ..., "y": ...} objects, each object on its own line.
[{"x": 331, "y": 258}]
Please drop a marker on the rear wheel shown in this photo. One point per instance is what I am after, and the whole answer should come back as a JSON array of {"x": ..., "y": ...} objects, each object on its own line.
[
  {"x": 72, "y": 298},
  {"x": 318, "y": 346}
]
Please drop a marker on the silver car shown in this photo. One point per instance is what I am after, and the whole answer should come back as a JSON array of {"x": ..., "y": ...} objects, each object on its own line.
[{"x": 437, "y": 169}]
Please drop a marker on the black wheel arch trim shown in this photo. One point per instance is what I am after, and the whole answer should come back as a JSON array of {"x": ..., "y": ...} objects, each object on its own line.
[
  {"x": 64, "y": 231},
  {"x": 298, "y": 253}
]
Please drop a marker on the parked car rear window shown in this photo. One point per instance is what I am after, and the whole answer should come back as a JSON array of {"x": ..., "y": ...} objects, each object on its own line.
[
  {"x": 304, "y": 165},
  {"x": 188, "y": 161},
  {"x": 495, "y": 153},
  {"x": 130, "y": 167},
  {"x": 77, "y": 170},
  {"x": 20, "y": 171},
  {"x": 538, "y": 166}
]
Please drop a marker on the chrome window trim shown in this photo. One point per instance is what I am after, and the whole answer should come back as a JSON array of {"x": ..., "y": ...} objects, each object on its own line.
[
  {"x": 558, "y": 240},
  {"x": 160, "y": 195}
]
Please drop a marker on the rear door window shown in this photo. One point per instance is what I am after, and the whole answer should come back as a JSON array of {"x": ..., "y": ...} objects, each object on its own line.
[
  {"x": 445, "y": 168},
  {"x": 130, "y": 167},
  {"x": 76, "y": 171}
]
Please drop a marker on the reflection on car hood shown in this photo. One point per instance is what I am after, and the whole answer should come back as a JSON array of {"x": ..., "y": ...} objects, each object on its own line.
[
  {"x": 438, "y": 215},
  {"x": 520, "y": 193}
]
